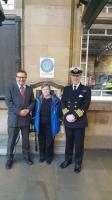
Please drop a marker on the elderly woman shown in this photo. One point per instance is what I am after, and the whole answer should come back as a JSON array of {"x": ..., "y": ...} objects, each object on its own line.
[{"x": 47, "y": 121}]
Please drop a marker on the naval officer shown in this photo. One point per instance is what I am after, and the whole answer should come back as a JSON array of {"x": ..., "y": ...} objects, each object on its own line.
[{"x": 76, "y": 99}]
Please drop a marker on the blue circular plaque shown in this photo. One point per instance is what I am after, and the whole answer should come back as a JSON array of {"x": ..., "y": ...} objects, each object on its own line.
[{"x": 47, "y": 65}]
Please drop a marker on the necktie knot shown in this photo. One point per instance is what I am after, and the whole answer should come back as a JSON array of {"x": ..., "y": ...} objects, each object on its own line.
[
  {"x": 22, "y": 91},
  {"x": 74, "y": 87}
]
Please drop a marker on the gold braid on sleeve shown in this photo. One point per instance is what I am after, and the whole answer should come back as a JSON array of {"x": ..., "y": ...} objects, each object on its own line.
[
  {"x": 79, "y": 112},
  {"x": 65, "y": 110}
]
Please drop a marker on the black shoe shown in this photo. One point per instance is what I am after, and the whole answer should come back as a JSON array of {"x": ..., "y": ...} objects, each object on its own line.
[
  {"x": 77, "y": 168},
  {"x": 49, "y": 161},
  {"x": 42, "y": 159},
  {"x": 8, "y": 164},
  {"x": 65, "y": 163},
  {"x": 28, "y": 160}
]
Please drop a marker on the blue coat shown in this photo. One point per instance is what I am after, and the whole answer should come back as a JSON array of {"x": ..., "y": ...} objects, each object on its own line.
[{"x": 56, "y": 114}]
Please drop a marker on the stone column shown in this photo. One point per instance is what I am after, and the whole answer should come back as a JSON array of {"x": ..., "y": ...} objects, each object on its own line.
[
  {"x": 76, "y": 32},
  {"x": 75, "y": 35}
]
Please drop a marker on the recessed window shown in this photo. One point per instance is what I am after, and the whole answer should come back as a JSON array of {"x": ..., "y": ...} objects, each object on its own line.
[
  {"x": 9, "y": 5},
  {"x": 96, "y": 60},
  {"x": 97, "y": 31},
  {"x": 110, "y": 10},
  {"x": 109, "y": 31}
]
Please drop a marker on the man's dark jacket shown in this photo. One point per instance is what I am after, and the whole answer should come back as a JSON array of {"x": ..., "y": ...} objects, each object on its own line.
[
  {"x": 77, "y": 103},
  {"x": 15, "y": 103}
]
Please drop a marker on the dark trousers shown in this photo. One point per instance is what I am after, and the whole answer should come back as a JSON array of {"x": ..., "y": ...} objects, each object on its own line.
[
  {"x": 74, "y": 136},
  {"x": 13, "y": 133},
  {"x": 46, "y": 141}
]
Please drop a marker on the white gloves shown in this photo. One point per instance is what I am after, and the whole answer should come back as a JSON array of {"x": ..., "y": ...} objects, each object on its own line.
[{"x": 70, "y": 118}]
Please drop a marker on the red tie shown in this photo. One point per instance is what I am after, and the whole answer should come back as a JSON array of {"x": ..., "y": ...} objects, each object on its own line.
[{"x": 22, "y": 91}]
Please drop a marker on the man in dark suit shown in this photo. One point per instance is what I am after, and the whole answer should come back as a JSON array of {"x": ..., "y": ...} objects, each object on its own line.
[
  {"x": 75, "y": 103},
  {"x": 20, "y": 102}
]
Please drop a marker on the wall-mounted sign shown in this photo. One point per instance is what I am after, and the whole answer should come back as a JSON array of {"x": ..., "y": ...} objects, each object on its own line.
[{"x": 47, "y": 67}]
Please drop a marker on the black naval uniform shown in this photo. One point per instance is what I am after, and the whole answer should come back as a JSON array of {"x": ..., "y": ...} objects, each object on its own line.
[{"x": 75, "y": 102}]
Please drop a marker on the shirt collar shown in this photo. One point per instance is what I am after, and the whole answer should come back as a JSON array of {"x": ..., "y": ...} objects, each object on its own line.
[
  {"x": 76, "y": 85},
  {"x": 20, "y": 86}
]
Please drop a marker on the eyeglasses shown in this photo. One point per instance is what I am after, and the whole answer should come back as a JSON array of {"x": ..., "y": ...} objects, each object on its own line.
[{"x": 20, "y": 77}]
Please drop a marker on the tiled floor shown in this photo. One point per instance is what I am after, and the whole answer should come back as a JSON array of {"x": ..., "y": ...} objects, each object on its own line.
[{"x": 49, "y": 182}]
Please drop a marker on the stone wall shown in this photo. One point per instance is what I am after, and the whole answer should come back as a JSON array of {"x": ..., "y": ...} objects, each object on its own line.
[
  {"x": 47, "y": 34},
  {"x": 49, "y": 29}
]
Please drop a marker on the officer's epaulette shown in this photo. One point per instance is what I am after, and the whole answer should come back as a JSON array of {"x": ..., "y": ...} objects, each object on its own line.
[
  {"x": 65, "y": 110},
  {"x": 79, "y": 112}
]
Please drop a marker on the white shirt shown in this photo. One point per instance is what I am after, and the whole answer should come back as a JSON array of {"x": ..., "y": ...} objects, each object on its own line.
[
  {"x": 75, "y": 86},
  {"x": 19, "y": 86}
]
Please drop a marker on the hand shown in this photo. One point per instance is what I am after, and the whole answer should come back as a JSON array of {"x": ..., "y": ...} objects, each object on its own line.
[
  {"x": 27, "y": 111},
  {"x": 23, "y": 112},
  {"x": 70, "y": 118}
]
